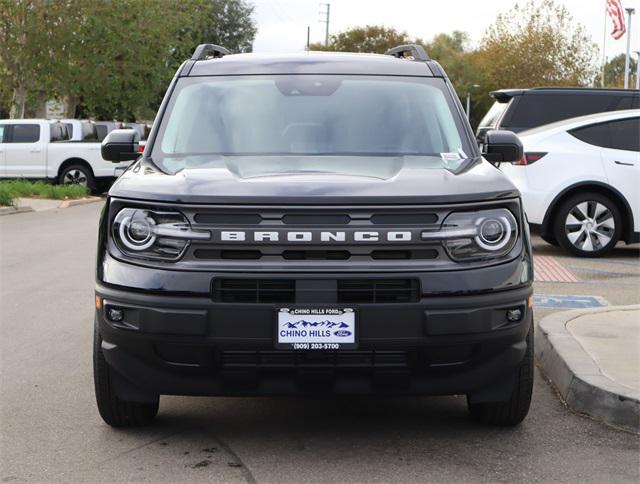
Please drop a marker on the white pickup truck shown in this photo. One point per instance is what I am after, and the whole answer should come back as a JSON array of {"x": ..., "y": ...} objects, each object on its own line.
[{"x": 40, "y": 149}]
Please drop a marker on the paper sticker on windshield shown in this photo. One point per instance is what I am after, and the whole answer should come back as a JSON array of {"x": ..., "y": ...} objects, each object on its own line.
[{"x": 449, "y": 157}]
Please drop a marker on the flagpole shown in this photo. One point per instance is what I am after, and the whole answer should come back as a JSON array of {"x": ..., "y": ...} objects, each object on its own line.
[
  {"x": 630, "y": 12},
  {"x": 604, "y": 43}
]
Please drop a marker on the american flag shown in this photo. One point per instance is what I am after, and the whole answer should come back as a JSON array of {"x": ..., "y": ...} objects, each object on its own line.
[{"x": 614, "y": 9}]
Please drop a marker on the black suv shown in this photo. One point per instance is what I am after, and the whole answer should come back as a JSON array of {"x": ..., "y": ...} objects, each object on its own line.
[
  {"x": 309, "y": 224},
  {"x": 521, "y": 109}
]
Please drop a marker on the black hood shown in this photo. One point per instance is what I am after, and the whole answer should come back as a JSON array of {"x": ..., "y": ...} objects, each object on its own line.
[{"x": 401, "y": 181}]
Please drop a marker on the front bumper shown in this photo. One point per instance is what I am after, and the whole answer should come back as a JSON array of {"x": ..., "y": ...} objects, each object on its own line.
[{"x": 191, "y": 345}]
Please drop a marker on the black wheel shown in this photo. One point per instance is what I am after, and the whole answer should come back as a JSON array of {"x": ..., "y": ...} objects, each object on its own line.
[
  {"x": 114, "y": 411},
  {"x": 550, "y": 240},
  {"x": 588, "y": 225},
  {"x": 77, "y": 175},
  {"x": 512, "y": 411}
]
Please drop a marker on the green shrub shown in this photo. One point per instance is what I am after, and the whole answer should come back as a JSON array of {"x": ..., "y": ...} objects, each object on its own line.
[
  {"x": 6, "y": 198},
  {"x": 12, "y": 189}
]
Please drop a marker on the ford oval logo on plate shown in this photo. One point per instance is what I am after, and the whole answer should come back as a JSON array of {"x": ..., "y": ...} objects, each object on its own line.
[{"x": 342, "y": 333}]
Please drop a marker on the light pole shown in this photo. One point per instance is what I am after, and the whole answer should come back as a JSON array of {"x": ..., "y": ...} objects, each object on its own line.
[
  {"x": 474, "y": 86},
  {"x": 325, "y": 19},
  {"x": 637, "y": 69},
  {"x": 630, "y": 12}
]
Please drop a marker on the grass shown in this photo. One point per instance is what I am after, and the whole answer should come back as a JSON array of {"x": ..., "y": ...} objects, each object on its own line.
[{"x": 12, "y": 189}]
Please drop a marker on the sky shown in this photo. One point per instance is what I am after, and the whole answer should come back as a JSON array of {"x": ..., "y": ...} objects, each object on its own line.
[{"x": 282, "y": 24}]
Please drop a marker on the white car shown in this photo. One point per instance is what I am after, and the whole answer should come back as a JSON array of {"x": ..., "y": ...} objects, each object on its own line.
[
  {"x": 103, "y": 128},
  {"x": 40, "y": 149},
  {"x": 580, "y": 181},
  {"x": 80, "y": 129}
]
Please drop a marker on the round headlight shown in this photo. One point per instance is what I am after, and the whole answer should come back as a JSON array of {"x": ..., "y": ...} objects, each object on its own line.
[
  {"x": 136, "y": 231},
  {"x": 493, "y": 233},
  {"x": 139, "y": 231},
  {"x": 152, "y": 234}
]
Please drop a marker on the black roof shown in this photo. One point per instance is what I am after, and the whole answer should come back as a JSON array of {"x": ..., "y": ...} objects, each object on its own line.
[
  {"x": 311, "y": 63},
  {"x": 503, "y": 95}
]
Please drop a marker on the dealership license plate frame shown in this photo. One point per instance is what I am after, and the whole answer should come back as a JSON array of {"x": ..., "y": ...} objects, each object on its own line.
[{"x": 332, "y": 314}]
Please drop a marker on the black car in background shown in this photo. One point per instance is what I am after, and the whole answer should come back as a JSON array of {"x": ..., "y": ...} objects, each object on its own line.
[{"x": 520, "y": 109}]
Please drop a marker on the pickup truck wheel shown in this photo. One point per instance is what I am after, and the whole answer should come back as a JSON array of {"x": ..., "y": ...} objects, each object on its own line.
[
  {"x": 512, "y": 411},
  {"x": 77, "y": 175},
  {"x": 116, "y": 412},
  {"x": 588, "y": 225}
]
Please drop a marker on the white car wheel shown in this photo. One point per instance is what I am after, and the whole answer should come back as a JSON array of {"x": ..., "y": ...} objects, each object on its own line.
[{"x": 588, "y": 225}]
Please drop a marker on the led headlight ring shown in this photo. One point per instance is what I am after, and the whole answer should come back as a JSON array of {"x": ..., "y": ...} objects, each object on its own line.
[{"x": 132, "y": 232}]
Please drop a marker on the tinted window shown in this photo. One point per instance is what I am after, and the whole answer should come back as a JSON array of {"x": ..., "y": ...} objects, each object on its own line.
[
  {"x": 25, "y": 133},
  {"x": 58, "y": 132},
  {"x": 625, "y": 134},
  {"x": 596, "y": 134},
  {"x": 2, "y": 128},
  {"x": 534, "y": 110},
  {"x": 69, "y": 129},
  {"x": 102, "y": 131},
  {"x": 622, "y": 134}
]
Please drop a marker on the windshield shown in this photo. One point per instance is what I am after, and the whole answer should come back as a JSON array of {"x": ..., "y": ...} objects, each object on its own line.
[{"x": 314, "y": 117}]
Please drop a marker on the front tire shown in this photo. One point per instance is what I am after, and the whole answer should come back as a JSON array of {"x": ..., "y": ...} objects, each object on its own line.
[
  {"x": 550, "y": 240},
  {"x": 588, "y": 225},
  {"x": 116, "y": 412},
  {"x": 512, "y": 411},
  {"x": 77, "y": 175}
]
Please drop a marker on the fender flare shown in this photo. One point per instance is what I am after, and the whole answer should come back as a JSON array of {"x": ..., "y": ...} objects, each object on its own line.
[{"x": 627, "y": 235}]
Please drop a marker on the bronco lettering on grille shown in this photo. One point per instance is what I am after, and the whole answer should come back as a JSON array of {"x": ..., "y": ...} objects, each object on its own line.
[{"x": 316, "y": 236}]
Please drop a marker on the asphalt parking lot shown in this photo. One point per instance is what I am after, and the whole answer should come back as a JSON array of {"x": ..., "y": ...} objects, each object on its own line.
[{"x": 51, "y": 431}]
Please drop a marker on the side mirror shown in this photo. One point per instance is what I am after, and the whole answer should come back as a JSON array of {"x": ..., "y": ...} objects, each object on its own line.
[
  {"x": 121, "y": 145},
  {"x": 501, "y": 146}
]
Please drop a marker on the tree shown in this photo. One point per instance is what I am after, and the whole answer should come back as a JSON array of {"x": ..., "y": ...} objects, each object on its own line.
[
  {"x": 30, "y": 32},
  {"x": 452, "y": 51},
  {"x": 117, "y": 57},
  {"x": 375, "y": 39},
  {"x": 111, "y": 58},
  {"x": 537, "y": 44},
  {"x": 227, "y": 23},
  {"x": 614, "y": 72}
]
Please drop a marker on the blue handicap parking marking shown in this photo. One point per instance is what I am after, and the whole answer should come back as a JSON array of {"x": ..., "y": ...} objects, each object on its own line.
[{"x": 571, "y": 302}]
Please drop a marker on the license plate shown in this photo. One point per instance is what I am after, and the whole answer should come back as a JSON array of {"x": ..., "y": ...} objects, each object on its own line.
[{"x": 316, "y": 329}]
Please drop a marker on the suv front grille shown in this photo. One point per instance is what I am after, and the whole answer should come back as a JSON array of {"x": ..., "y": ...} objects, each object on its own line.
[
  {"x": 378, "y": 290},
  {"x": 326, "y": 359},
  {"x": 254, "y": 290},
  {"x": 312, "y": 254},
  {"x": 306, "y": 239},
  {"x": 245, "y": 222},
  {"x": 343, "y": 291}
]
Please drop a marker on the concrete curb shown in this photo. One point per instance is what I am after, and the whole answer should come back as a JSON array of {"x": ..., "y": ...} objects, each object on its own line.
[
  {"x": 79, "y": 201},
  {"x": 578, "y": 378},
  {"x": 61, "y": 204},
  {"x": 14, "y": 210}
]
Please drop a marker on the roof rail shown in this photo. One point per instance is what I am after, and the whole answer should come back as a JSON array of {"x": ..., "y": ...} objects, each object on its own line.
[
  {"x": 208, "y": 51},
  {"x": 415, "y": 52}
]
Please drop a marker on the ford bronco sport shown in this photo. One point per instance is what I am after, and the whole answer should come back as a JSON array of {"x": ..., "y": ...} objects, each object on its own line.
[{"x": 307, "y": 224}]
